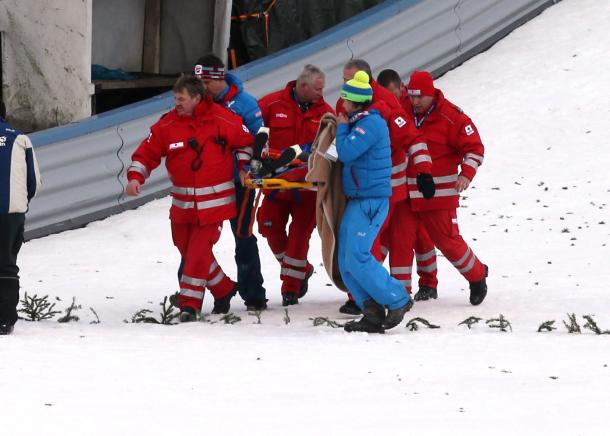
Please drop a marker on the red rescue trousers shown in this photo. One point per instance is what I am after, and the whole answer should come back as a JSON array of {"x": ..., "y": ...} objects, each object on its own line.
[
  {"x": 442, "y": 227},
  {"x": 397, "y": 240},
  {"x": 201, "y": 270},
  {"x": 290, "y": 248}
]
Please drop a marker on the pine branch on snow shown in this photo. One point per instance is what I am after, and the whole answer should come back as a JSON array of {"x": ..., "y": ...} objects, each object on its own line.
[
  {"x": 230, "y": 318},
  {"x": 547, "y": 326},
  {"x": 413, "y": 326},
  {"x": 499, "y": 323},
  {"x": 257, "y": 314},
  {"x": 573, "y": 327},
  {"x": 37, "y": 308},
  {"x": 286, "y": 317},
  {"x": 470, "y": 321},
  {"x": 320, "y": 320},
  {"x": 97, "y": 318},
  {"x": 68, "y": 316},
  {"x": 592, "y": 325},
  {"x": 167, "y": 314}
]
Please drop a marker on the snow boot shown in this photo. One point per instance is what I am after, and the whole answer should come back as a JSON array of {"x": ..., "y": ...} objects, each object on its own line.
[
  {"x": 478, "y": 290},
  {"x": 425, "y": 293},
  {"x": 363, "y": 325},
  {"x": 373, "y": 312},
  {"x": 395, "y": 316},
  {"x": 305, "y": 283},
  {"x": 289, "y": 299},
  {"x": 350, "y": 308},
  {"x": 187, "y": 314},
  {"x": 223, "y": 305},
  {"x": 6, "y": 329},
  {"x": 256, "y": 305}
]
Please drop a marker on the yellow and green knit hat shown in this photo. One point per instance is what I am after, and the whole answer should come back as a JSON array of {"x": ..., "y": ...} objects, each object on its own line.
[{"x": 358, "y": 89}]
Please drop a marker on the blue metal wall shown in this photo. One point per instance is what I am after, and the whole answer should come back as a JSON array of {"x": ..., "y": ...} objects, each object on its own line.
[{"x": 83, "y": 164}]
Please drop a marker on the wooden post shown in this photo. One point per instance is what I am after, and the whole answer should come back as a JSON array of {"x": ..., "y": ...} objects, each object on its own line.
[{"x": 151, "y": 51}]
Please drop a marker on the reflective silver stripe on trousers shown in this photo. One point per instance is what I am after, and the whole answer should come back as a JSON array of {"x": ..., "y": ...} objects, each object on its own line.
[
  {"x": 401, "y": 270},
  {"x": 438, "y": 193},
  {"x": 190, "y": 293},
  {"x": 471, "y": 162},
  {"x": 183, "y": 204},
  {"x": 216, "y": 279},
  {"x": 295, "y": 262},
  {"x": 280, "y": 256},
  {"x": 469, "y": 266},
  {"x": 417, "y": 147},
  {"x": 139, "y": 168},
  {"x": 441, "y": 179},
  {"x": 192, "y": 280},
  {"x": 213, "y": 266},
  {"x": 422, "y": 158},
  {"x": 397, "y": 182},
  {"x": 293, "y": 273},
  {"x": 425, "y": 256},
  {"x": 474, "y": 156},
  {"x": 384, "y": 250},
  {"x": 427, "y": 268},
  {"x": 208, "y": 204},
  {"x": 398, "y": 168},
  {"x": 203, "y": 191},
  {"x": 463, "y": 258},
  {"x": 405, "y": 283}
]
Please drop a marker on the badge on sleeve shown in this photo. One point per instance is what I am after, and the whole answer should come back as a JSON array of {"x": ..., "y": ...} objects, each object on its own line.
[
  {"x": 469, "y": 130},
  {"x": 400, "y": 121}
]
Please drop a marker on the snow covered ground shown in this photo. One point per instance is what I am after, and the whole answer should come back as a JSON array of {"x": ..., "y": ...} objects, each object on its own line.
[{"x": 536, "y": 214}]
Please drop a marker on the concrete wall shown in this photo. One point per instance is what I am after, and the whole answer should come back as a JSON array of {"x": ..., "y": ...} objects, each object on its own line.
[
  {"x": 117, "y": 37},
  {"x": 46, "y": 61}
]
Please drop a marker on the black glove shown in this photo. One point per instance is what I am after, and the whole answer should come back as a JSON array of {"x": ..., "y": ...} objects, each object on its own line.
[{"x": 425, "y": 185}]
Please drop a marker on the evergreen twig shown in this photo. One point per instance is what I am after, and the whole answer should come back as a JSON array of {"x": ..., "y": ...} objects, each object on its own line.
[
  {"x": 286, "y": 317},
  {"x": 573, "y": 327},
  {"x": 547, "y": 326},
  {"x": 37, "y": 308},
  {"x": 142, "y": 316},
  {"x": 500, "y": 323},
  {"x": 73, "y": 308},
  {"x": 257, "y": 314},
  {"x": 413, "y": 326},
  {"x": 168, "y": 315},
  {"x": 592, "y": 325},
  {"x": 320, "y": 320},
  {"x": 230, "y": 318},
  {"x": 97, "y": 318},
  {"x": 470, "y": 321}
]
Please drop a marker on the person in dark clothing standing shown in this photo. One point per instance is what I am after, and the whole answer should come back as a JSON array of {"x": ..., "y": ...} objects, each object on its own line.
[{"x": 19, "y": 181}]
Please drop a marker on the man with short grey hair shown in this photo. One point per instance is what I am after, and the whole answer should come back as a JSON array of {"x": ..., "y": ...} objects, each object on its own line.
[{"x": 293, "y": 116}]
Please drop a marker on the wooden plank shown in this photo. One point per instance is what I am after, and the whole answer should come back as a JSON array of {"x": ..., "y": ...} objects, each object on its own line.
[{"x": 151, "y": 51}]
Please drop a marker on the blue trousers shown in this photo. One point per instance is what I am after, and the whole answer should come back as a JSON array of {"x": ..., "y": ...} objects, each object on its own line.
[
  {"x": 248, "y": 261},
  {"x": 363, "y": 275}
]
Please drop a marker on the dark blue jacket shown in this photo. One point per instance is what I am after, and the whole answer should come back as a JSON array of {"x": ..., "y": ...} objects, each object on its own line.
[
  {"x": 364, "y": 148},
  {"x": 19, "y": 176}
]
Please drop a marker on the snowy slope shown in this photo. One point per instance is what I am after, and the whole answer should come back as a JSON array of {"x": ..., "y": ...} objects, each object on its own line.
[{"x": 536, "y": 214}]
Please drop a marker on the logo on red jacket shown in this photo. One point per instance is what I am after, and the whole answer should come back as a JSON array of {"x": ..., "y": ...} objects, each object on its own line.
[
  {"x": 469, "y": 129},
  {"x": 400, "y": 121},
  {"x": 176, "y": 145},
  {"x": 281, "y": 115}
]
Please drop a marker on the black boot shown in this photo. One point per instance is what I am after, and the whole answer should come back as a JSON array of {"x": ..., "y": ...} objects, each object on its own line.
[
  {"x": 305, "y": 283},
  {"x": 363, "y": 325},
  {"x": 223, "y": 305},
  {"x": 187, "y": 314},
  {"x": 350, "y": 308},
  {"x": 290, "y": 299},
  {"x": 395, "y": 316},
  {"x": 478, "y": 290},
  {"x": 425, "y": 293},
  {"x": 256, "y": 305},
  {"x": 9, "y": 299},
  {"x": 373, "y": 312}
]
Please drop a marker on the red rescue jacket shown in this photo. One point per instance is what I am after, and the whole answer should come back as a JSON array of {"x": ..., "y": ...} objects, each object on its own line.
[
  {"x": 455, "y": 145},
  {"x": 206, "y": 194}
]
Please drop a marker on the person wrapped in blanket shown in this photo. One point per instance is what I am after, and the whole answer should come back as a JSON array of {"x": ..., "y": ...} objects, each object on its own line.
[{"x": 363, "y": 145}]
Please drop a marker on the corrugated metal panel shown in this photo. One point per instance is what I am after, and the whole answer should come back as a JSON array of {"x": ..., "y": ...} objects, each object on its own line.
[{"x": 83, "y": 165}]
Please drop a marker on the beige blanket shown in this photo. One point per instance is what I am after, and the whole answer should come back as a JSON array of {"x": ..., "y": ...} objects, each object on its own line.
[{"x": 330, "y": 200}]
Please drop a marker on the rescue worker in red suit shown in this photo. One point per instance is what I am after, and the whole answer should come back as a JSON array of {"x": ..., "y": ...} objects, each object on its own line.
[
  {"x": 197, "y": 138},
  {"x": 293, "y": 117},
  {"x": 457, "y": 153},
  {"x": 425, "y": 253},
  {"x": 409, "y": 151}
]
